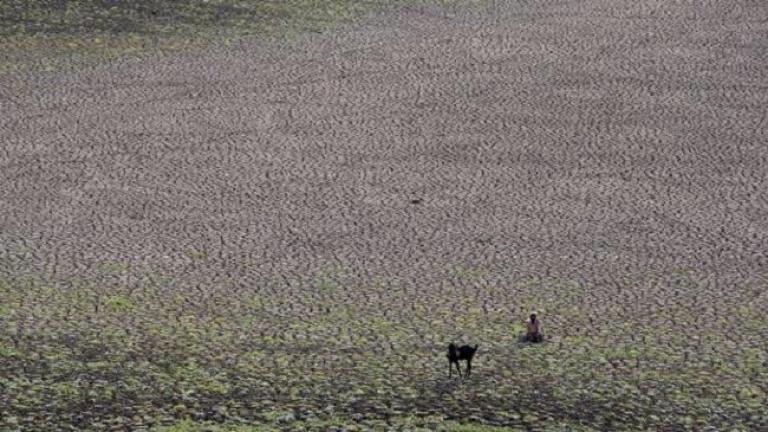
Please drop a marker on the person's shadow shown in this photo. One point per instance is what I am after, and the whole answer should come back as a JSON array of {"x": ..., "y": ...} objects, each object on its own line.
[{"x": 522, "y": 342}]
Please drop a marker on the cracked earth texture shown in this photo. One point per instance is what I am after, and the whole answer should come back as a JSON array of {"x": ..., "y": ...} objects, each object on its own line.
[{"x": 302, "y": 226}]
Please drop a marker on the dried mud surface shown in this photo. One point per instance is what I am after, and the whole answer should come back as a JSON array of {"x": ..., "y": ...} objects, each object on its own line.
[{"x": 444, "y": 162}]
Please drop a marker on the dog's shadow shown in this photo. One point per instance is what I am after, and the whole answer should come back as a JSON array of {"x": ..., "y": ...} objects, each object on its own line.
[{"x": 481, "y": 378}]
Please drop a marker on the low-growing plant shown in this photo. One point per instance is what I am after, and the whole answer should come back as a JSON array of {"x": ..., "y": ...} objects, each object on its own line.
[{"x": 162, "y": 351}]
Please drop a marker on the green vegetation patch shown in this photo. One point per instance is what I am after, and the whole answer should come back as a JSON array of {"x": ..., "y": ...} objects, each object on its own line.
[
  {"x": 323, "y": 352},
  {"x": 408, "y": 423},
  {"x": 53, "y": 34}
]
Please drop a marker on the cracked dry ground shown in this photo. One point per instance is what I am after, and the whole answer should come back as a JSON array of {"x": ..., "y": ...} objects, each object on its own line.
[{"x": 248, "y": 213}]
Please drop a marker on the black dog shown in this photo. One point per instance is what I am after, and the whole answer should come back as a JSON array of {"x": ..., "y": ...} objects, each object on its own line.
[{"x": 455, "y": 354}]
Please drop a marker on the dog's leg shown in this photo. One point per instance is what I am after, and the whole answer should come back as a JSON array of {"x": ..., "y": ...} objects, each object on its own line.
[
  {"x": 469, "y": 367},
  {"x": 458, "y": 368},
  {"x": 450, "y": 369}
]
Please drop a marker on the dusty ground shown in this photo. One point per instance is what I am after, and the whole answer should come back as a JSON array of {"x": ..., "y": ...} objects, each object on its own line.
[
  {"x": 579, "y": 138},
  {"x": 608, "y": 142}
]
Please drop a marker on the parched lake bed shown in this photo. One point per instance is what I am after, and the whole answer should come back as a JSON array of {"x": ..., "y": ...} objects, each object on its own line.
[{"x": 290, "y": 233}]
